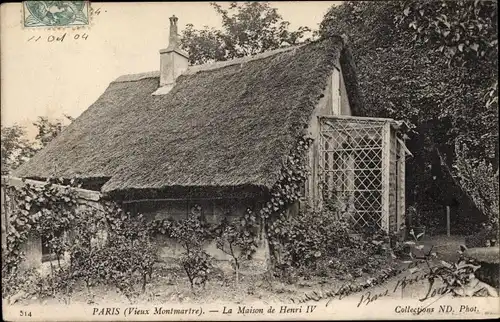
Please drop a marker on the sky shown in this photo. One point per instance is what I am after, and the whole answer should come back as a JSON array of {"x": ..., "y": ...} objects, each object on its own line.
[{"x": 41, "y": 76}]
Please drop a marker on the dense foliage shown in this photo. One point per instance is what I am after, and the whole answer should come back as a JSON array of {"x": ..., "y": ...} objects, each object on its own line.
[
  {"x": 247, "y": 28},
  {"x": 464, "y": 31},
  {"x": 44, "y": 210},
  {"x": 480, "y": 181},
  {"x": 314, "y": 244},
  {"x": 306, "y": 242},
  {"x": 434, "y": 65}
]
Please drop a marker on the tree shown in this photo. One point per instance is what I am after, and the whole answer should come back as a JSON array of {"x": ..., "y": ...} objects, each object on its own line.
[
  {"x": 464, "y": 33},
  {"x": 238, "y": 240},
  {"x": 48, "y": 130},
  {"x": 16, "y": 148},
  {"x": 407, "y": 71},
  {"x": 247, "y": 28}
]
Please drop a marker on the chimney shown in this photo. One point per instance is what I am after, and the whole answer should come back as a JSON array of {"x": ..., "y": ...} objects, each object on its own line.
[{"x": 173, "y": 60}]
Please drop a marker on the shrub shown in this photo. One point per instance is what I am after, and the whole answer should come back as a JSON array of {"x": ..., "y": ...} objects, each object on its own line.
[
  {"x": 481, "y": 238},
  {"x": 479, "y": 179},
  {"x": 314, "y": 242},
  {"x": 128, "y": 255},
  {"x": 197, "y": 265},
  {"x": 191, "y": 233},
  {"x": 18, "y": 282},
  {"x": 238, "y": 239}
]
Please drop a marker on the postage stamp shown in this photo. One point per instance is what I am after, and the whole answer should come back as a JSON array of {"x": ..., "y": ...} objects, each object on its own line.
[{"x": 55, "y": 13}]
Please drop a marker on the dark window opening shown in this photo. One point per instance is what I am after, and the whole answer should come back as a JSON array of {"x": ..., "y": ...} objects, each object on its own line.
[{"x": 46, "y": 254}]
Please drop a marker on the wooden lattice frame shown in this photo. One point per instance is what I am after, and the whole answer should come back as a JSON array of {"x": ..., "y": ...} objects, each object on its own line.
[{"x": 361, "y": 162}]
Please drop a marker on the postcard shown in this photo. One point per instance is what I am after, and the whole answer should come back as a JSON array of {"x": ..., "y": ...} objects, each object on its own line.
[{"x": 195, "y": 161}]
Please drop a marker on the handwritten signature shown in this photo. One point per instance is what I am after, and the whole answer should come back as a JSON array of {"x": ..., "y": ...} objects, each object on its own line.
[
  {"x": 343, "y": 291},
  {"x": 369, "y": 297}
]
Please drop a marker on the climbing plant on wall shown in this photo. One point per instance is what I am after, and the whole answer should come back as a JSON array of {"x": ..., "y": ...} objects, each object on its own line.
[
  {"x": 235, "y": 238},
  {"x": 285, "y": 192},
  {"x": 238, "y": 239},
  {"x": 71, "y": 228},
  {"x": 45, "y": 210}
]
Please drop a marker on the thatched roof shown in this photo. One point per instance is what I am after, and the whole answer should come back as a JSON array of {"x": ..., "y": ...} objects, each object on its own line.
[{"x": 224, "y": 125}]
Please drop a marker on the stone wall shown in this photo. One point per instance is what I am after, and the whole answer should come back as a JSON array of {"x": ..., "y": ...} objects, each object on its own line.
[{"x": 212, "y": 210}]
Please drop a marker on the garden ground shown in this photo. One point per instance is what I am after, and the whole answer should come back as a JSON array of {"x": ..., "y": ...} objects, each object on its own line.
[{"x": 169, "y": 284}]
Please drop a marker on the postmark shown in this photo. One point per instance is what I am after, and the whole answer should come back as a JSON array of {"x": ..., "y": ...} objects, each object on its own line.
[{"x": 56, "y": 14}]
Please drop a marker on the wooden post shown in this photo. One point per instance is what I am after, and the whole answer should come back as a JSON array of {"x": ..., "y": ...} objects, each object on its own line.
[
  {"x": 319, "y": 168},
  {"x": 386, "y": 140},
  {"x": 401, "y": 188},
  {"x": 5, "y": 216},
  {"x": 448, "y": 221}
]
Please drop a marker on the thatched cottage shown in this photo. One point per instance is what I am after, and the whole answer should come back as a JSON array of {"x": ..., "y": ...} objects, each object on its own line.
[{"x": 215, "y": 135}]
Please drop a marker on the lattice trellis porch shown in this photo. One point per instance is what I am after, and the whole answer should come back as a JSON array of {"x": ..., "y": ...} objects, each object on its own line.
[{"x": 362, "y": 169}]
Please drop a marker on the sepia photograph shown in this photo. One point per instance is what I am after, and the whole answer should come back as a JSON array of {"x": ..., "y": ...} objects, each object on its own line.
[{"x": 295, "y": 160}]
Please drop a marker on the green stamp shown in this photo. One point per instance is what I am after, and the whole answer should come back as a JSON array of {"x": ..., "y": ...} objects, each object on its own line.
[{"x": 55, "y": 13}]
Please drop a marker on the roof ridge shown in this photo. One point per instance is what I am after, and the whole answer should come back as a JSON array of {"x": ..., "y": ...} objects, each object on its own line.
[
  {"x": 240, "y": 60},
  {"x": 137, "y": 77},
  {"x": 205, "y": 67}
]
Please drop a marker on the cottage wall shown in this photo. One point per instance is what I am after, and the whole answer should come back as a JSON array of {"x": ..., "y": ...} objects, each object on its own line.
[
  {"x": 212, "y": 210},
  {"x": 333, "y": 102}
]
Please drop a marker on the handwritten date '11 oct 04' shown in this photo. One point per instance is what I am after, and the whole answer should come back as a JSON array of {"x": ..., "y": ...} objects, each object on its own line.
[{"x": 59, "y": 38}]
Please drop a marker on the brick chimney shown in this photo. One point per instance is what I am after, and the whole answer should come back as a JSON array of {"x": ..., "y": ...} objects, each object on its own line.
[{"x": 173, "y": 60}]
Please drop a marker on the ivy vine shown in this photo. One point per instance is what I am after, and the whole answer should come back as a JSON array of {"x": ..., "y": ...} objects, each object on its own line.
[
  {"x": 104, "y": 244},
  {"x": 285, "y": 193},
  {"x": 45, "y": 210}
]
